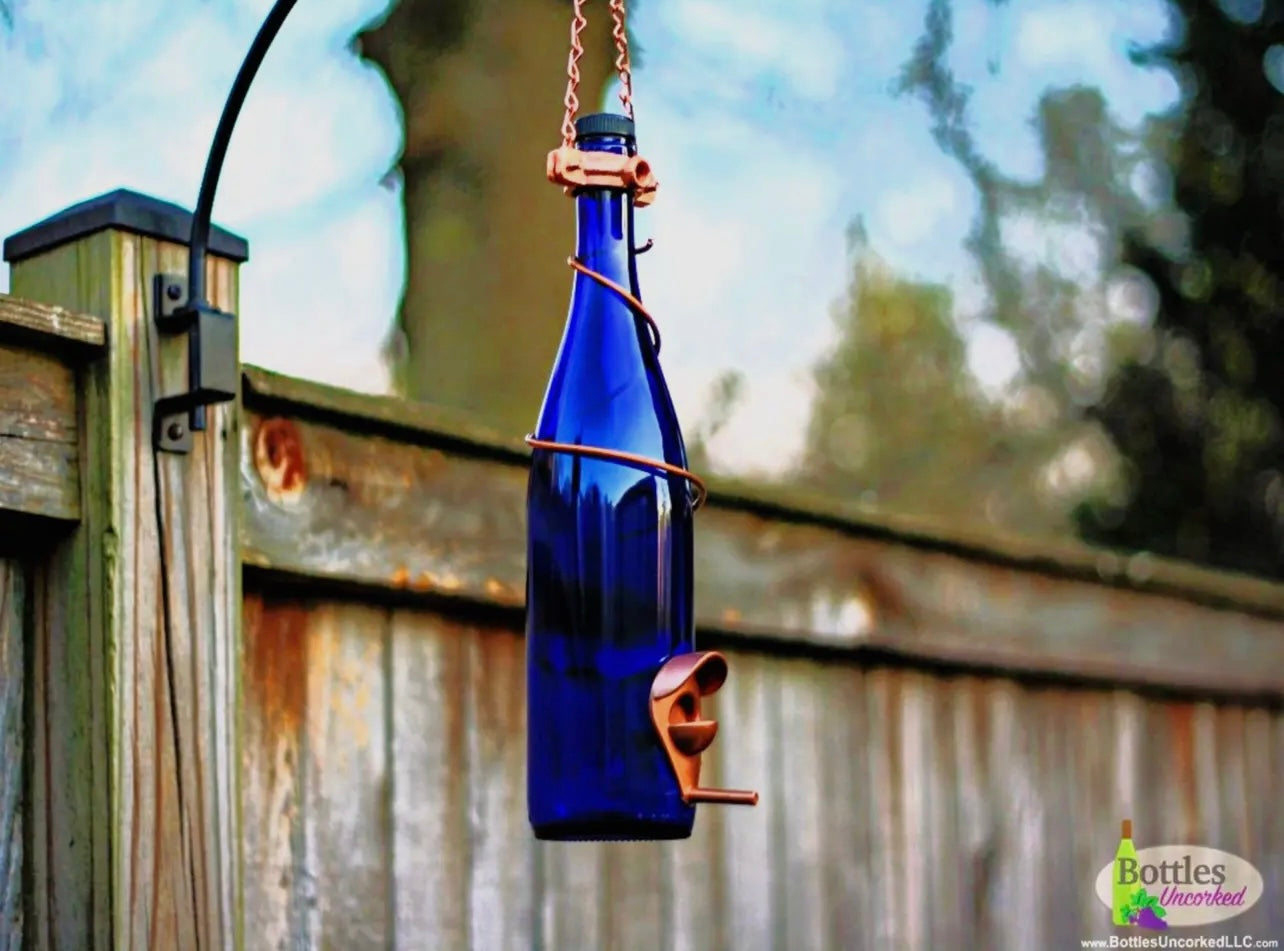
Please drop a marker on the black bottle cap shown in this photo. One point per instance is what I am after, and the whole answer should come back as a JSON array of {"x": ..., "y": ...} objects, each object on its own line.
[{"x": 604, "y": 123}]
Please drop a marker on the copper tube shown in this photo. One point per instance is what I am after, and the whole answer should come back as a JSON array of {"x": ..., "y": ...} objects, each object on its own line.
[{"x": 726, "y": 797}]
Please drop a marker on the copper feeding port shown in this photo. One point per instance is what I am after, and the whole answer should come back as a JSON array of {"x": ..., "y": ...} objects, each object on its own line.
[
  {"x": 572, "y": 168},
  {"x": 675, "y": 711}
]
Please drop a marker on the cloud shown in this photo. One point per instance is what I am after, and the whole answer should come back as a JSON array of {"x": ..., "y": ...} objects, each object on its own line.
[
  {"x": 1086, "y": 41},
  {"x": 910, "y": 214},
  {"x": 795, "y": 47},
  {"x": 320, "y": 304}
]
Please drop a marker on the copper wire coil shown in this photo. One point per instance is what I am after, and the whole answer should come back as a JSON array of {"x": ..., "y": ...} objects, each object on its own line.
[
  {"x": 625, "y": 458},
  {"x": 618, "y": 455},
  {"x": 623, "y": 292}
]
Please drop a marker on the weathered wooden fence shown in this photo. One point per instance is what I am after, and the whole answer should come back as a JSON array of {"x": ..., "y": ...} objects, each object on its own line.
[{"x": 270, "y": 694}]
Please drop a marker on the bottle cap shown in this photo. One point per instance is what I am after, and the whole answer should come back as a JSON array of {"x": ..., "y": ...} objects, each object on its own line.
[
  {"x": 1127, "y": 829},
  {"x": 604, "y": 123}
]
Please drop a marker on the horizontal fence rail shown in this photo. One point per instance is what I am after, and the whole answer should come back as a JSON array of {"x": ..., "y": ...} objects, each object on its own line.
[{"x": 365, "y": 490}]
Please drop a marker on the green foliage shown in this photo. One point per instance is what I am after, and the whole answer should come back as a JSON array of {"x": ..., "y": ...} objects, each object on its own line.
[
  {"x": 1139, "y": 901},
  {"x": 898, "y": 420},
  {"x": 1198, "y": 418}
]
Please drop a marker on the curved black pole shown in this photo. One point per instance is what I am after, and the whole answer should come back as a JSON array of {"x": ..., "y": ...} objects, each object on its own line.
[{"x": 200, "y": 237}]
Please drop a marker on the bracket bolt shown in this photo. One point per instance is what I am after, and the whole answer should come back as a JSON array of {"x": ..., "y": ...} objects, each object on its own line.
[
  {"x": 174, "y": 431},
  {"x": 173, "y": 291}
]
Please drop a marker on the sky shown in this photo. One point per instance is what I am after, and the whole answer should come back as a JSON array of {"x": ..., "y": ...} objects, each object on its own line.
[{"x": 771, "y": 124}]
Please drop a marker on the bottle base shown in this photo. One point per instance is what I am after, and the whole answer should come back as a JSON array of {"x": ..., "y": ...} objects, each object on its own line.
[{"x": 611, "y": 830}]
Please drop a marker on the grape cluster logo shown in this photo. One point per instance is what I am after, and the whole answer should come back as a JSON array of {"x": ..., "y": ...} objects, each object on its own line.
[{"x": 1175, "y": 886}]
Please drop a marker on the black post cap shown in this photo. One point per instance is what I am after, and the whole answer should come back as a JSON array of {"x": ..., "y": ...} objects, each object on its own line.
[
  {"x": 124, "y": 210},
  {"x": 604, "y": 123}
]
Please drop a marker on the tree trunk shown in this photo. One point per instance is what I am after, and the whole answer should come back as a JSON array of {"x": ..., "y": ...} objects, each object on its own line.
[{"x": 481, "y": 84}]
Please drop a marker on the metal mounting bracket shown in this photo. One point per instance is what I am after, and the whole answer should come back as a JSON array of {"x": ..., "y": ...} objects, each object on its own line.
[{"x": 211, "y": 362}]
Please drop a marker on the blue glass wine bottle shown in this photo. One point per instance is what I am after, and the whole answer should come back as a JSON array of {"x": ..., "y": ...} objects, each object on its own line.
[{"x": 609, "y": 557}]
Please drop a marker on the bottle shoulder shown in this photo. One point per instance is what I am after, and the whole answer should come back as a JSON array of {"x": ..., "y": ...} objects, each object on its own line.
[{"x": 607, "y": 388}]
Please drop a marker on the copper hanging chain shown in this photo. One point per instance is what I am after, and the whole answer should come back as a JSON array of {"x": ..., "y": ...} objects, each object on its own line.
[
  {"x": 623, "y": 66},
  {"x": 572, "y": 100}
]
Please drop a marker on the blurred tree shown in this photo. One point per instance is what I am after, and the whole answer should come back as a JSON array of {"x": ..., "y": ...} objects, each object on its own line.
[
  {"x": 1199, "y": 418},
  {"x": 480, "y": 84},
  {"x": 898, "y": 413},
  {"x": 1085, "y": 194},
  {"x": 724, "y": 395},
  {"x": 899, "y": 421}
]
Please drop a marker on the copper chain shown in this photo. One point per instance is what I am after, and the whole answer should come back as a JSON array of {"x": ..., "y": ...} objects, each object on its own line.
[
  {"x": 620, "y": 35},
  {"x": 622, "y": 66}
]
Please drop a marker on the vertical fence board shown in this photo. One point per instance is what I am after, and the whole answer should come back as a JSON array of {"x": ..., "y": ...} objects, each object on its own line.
[
  {"x": 201, "y": 562},
  {"x": 973, "y": 847},
  {"x": 695, "y": 867},
  {"x": 501, "y": 895},
  {"x": 12, "y": 771},
  {"x": 73, "y": 618},
  {"x": 1065, "y": 879},
  {"x": 882, "y": 780},
  {"x": 1013, "y": 897},
  {"x": 918, "y": 849},
  {"x": 799, "y": 729},
  {"x": 429, "y": 672},
  {"x": 345, "y": 787},
  {"x": 696, "y": 874},
  {"x": 1264, "y": 770},
  {"x": 572, "y": 880},
  {"x": 750, "y": 911},
  {"x": 637, "y": 897},
  {"x": 1269, "y": 794},
  {"x": 939, "y": 836},
  {"x": 1096, "y": 809},
  {"x": 279, "y": 892}
]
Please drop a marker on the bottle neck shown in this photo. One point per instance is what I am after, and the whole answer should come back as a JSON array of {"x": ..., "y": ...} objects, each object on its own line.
[
  {"x": 604, "y": 229},
  {"x": 604, "y": 222}
]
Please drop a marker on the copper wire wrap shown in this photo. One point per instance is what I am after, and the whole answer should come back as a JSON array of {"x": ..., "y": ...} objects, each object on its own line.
[
  {"x": 618, "y": 455},
  {"x": 626, "y": 458},
  {"x": 620, "y": 35},
  {"x": 633, "y": 302}
]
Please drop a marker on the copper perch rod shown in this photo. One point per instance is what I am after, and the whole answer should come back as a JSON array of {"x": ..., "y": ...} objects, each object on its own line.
[{"x": 728, "y": 797}]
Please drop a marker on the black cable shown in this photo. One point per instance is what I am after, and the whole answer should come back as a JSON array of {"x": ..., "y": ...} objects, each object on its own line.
[{"x": 200, "y": 237}]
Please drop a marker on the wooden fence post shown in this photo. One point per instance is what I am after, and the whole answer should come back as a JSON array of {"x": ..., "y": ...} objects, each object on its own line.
[{"x": 135, "y": 835}]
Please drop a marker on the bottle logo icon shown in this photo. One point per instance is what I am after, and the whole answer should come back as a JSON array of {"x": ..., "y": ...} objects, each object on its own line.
[{"x": 1165, "y": 886}]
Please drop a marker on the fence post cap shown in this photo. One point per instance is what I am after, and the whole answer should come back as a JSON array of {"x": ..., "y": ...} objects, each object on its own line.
[{"x": 123, "y": 210}]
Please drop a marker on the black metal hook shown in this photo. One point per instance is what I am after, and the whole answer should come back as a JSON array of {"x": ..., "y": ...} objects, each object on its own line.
[{"x": 212, "y": 365}]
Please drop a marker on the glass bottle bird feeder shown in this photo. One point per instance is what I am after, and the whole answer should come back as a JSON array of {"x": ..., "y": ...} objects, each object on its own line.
[{"x": 615, "y": 729}]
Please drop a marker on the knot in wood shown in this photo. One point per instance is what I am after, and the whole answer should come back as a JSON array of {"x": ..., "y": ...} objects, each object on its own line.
[{"x": 278, "y": 459}]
